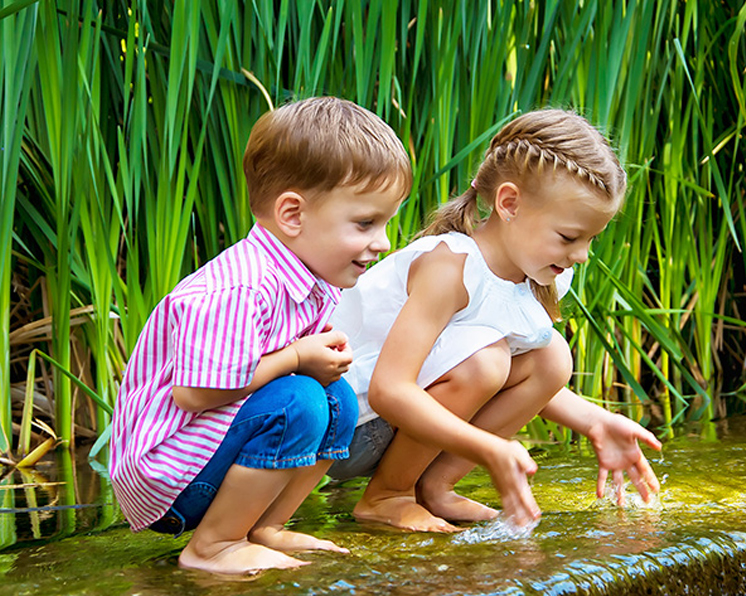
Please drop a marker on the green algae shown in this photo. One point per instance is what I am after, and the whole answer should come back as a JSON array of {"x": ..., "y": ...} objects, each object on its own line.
[{"x": 691, "y": 539}]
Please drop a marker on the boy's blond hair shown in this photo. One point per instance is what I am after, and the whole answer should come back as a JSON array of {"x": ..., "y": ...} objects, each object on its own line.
[{"x": 320, "y": 143}]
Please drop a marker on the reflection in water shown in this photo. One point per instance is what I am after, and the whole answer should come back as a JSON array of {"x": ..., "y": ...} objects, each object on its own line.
[
  {"x": 62, "y": 495},
  {"x": 691, "y": 539},
  {"x": 7, "y": 521}
]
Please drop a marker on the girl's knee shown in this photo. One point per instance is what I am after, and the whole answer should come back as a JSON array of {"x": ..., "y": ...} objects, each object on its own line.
[
  {"x": 484, "y": 372},
  {"x": 555, "y": 361}
]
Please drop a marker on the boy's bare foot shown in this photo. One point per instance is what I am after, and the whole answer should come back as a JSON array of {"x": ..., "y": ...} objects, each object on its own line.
[
  {"x": 236, "y": 558},
  {"x": 401, "y": 512},
  {"x": 452, "y": 506},
  {"x": 287, "y": 541}
]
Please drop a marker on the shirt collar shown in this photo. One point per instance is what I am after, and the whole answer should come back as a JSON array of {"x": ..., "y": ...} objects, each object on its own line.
[{"x": 296, "y": 277}]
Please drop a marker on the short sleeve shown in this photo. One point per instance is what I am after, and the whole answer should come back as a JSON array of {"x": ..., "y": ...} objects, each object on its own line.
[
  {"x": 217, "y": 340},
  {"x": 563, "y": 282}
]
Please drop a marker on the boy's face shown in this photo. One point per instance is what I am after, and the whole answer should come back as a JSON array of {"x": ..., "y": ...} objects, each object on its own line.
[{"x": 344, "y": 230}]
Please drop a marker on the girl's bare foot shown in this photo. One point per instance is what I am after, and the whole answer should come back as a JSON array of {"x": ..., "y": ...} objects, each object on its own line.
[
  {"x": 401, "y": 511},
  {"x": 287, "y": 541},
  {"x": 235, "y": 558},
  {"x": 452, "y": 506}
]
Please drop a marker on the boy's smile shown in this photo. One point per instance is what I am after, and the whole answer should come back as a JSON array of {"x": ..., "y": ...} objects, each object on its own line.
[{"x": 344, "y": 230}]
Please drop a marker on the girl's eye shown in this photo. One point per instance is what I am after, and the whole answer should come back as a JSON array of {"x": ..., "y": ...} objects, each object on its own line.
[
  {"x": 567, "y": 239},
  {"x": 365, "y": 224}
]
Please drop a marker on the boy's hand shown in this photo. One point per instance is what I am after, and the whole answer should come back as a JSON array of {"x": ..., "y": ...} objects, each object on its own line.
[
  {"x": 615, "y": 440},
  {"x": 325, "y": 356},
  {"x": 509, "y": 475}
]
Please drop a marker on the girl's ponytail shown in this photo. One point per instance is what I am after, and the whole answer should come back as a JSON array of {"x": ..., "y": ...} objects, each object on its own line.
[
  {"x": 460, "y": 214},
  {"x": 548, "y": 298}
]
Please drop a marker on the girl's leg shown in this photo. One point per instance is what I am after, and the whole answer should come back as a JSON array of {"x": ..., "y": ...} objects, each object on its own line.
[
  {"x": 390, "y": 495},
  {"x": 535, "y": 377},
  {"x": 282, "y": 429}
]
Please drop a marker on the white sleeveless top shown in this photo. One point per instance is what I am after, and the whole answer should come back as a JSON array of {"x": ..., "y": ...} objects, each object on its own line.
[{"x": 497, "y": 309}]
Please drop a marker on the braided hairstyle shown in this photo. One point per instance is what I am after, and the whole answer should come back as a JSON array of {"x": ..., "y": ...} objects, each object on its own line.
[{"x": 544, "y": 141}]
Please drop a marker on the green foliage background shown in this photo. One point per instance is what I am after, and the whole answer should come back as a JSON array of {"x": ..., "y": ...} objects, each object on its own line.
[{"x": 123, "y": 126}]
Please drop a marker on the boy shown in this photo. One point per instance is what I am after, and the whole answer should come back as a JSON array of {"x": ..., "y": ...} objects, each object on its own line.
[{"x": 232, "y": 406}]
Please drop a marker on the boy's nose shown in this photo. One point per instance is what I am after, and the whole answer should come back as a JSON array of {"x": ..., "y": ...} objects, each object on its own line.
[{"x": 381, "y": 242}]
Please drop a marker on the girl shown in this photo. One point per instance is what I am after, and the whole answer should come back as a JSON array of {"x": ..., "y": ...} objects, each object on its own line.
[{"x": 453, "y": 339}]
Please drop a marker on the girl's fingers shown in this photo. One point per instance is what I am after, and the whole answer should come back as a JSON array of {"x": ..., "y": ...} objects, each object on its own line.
[
  {"x": 603, "y": 474},
  {"x": 522, "y": 510},
  {"x": 528, "y": 465},
  {"x": 618, "y": 477},
  {"x": 648, "y": 475},
  {"x": 650, "y": 440},
  {"x": 519, "y": 504},
  {"x": 639, "y": 483}
]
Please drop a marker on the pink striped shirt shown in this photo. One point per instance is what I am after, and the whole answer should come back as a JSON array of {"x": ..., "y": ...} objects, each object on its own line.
[{"x": 210, "y": 331}]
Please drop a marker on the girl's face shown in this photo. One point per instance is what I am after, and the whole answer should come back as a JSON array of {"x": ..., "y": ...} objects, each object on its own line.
[{"x": 552, "y": 231}]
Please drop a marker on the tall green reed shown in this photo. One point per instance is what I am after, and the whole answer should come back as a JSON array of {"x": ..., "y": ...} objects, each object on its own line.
[
  {"x": 16, "y": 69},
  {"x": 131, "y": 157}
]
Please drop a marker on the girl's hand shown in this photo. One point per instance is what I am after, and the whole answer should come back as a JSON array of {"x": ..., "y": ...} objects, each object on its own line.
[
  {"x": 615, "y": 440},
  {"x": 325, "y": 356},
  {"x": 509, "y": 475}
]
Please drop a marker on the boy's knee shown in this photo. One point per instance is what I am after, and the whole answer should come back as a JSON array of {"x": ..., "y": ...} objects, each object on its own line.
[
  {"x": 343, "y": 400},
  {"x": 306, "y": 407}
]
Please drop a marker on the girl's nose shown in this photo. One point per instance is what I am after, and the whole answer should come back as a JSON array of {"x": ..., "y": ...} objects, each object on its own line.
[{"x": 580, "y": 254}]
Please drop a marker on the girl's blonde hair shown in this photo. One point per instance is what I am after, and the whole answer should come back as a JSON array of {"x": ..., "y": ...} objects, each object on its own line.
[{"x": 521, "y": 152}]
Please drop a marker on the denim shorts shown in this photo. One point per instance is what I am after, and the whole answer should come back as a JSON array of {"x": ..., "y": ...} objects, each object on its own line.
[
  {"x": 368, "y": 445},
  {"x": 290, "y": 422}
]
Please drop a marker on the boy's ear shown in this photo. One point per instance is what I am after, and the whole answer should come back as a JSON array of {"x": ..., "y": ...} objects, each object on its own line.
[
  {"x": 288, "y": 212},
  {"x": 507, "y": 199}
]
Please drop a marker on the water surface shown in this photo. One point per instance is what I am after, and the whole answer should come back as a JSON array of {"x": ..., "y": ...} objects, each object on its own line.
[{"x": 67, "y": 536}]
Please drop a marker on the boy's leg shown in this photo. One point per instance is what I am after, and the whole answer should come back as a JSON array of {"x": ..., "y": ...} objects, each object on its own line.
[
  {"x": 280, "y": 428},
  {"x": 390, "y": 495},
  {"x": 535, "y": 377},
  {"x": 219, "y": 543},
  {"x": 270, "y": 529}
]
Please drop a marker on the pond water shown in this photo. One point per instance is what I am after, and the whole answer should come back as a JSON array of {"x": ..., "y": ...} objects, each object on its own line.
[{"x": 61, "y": 533}]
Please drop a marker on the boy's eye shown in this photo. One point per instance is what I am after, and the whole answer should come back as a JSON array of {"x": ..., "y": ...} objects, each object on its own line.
[
  {"x": 566, "y": 238},
  {"x": 365, "y": 224}
]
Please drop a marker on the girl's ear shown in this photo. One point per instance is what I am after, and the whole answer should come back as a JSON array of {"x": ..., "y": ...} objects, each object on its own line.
[
  {"x": 288, "y": 213},
  {"x": 507, "y": 199}
]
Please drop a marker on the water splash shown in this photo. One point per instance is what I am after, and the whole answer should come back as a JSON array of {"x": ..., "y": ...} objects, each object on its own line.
[
  {"x": 631, "y": 499},
  {"x": 497, "y": 530}
]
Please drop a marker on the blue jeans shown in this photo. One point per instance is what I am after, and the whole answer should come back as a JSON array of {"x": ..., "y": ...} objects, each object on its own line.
[{"x": 291, "y": 422}]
